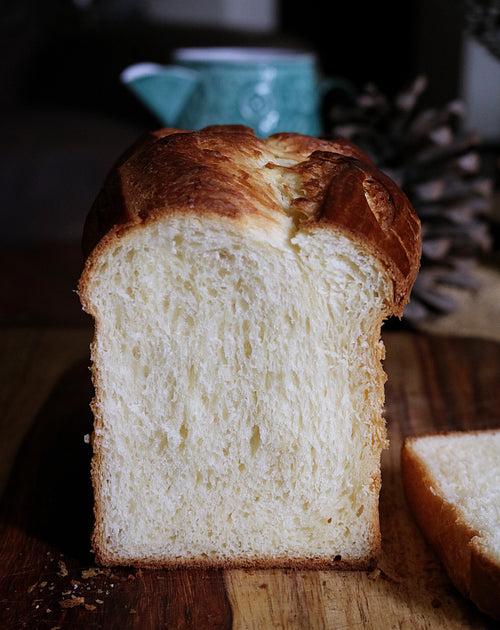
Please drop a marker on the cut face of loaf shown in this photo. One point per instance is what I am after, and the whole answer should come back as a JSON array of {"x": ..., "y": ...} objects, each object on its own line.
[
  {"x": 240, "y": 395},
  {"x": 237, "y": 365}
]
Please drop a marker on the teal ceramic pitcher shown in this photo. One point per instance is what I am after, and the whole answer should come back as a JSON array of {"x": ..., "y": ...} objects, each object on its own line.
[{"x": 269, "y": 90}]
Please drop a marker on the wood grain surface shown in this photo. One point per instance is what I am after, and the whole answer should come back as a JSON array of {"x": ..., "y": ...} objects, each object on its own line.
[{"x": 45, "y": 515}]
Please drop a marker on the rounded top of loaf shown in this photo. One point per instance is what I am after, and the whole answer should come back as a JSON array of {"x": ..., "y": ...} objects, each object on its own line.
[{"x": 228, "y": 171}]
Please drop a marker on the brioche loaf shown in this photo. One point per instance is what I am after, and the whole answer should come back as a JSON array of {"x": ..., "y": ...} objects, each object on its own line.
[
  {"x": 238, "y": 287},
  {"x": 452, "y": 483}
]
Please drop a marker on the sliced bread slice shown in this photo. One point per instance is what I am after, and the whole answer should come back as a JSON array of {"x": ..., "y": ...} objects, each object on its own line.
[{"x": 452, "y": 484}]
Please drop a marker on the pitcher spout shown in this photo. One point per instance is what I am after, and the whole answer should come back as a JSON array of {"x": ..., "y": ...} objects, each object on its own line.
[{"x": 164, "y": 90}]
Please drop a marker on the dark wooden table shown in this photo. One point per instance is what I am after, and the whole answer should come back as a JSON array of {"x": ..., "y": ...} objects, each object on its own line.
[{"x": 47, "y": 575}]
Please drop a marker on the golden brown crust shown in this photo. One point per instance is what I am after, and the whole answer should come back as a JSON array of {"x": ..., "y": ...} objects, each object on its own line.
[
  {"x": 108, "y": 210},
  {"x": 218, "y": 170},
  {"x": 475, "y": 574},
  {"x": 303, "y": 146}
]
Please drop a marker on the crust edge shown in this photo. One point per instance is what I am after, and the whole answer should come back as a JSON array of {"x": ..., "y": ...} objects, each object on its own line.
[
  {"x": 239, "y": 562},
  {"x": 474, "y": 573}
]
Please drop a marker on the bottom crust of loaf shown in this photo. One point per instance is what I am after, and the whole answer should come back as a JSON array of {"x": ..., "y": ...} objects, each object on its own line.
[{"x": 265, "y": 562}]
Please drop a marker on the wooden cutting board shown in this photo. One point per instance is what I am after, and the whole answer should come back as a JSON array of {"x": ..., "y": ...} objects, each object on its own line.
[{"x": 45, "y": 516}]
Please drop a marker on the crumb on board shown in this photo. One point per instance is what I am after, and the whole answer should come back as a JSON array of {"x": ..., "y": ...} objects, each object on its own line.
[
  {"x": 72, "y": 596},
  {"x": 86, "y": 438},
  {"x": 72, "y": 602},
  {"x": 90, "y": 573}
]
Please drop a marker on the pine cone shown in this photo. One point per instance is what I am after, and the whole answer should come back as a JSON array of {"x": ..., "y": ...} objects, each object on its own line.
[{"x": 439, "y": 168}]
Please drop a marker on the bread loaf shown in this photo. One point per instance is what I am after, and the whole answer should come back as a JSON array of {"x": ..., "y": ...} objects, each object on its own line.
[
  {"x": 238, "y": 287},
  {"x": 452, "y": 483}
]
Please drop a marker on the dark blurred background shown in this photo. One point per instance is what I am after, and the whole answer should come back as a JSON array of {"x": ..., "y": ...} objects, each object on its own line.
[{"x": 66, "y": 117}]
